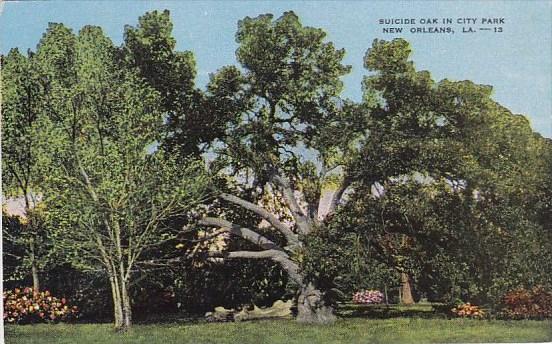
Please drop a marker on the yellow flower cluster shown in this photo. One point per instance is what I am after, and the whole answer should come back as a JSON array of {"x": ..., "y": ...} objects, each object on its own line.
[{"x": 468, "y": 310}]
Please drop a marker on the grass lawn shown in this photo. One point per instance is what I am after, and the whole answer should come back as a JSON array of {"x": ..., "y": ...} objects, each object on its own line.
[{"x": 352, "y": 330}]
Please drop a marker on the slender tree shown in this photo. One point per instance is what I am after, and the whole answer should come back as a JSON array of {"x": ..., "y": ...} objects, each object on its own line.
[
  {"x": 22, "y": 107},
  {"x": 109, "y": 189}
]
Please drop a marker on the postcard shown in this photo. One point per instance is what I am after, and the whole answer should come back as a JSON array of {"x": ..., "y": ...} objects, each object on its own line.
[{"x": 276, "y": 171}]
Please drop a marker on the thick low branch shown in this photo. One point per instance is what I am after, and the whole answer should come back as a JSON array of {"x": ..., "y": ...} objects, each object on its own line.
[
  {"x": 266, "y": 254},
  {"x": 278, "y": 256},
  {"x": 242, "y": 232},
  {"x": 303, "y": 223},
  {"x": 208, "y": 237},
  {"x": 291, "y": 237}
]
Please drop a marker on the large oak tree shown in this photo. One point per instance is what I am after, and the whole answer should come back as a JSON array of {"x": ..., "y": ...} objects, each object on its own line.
[{"x": 277, "y": 110}]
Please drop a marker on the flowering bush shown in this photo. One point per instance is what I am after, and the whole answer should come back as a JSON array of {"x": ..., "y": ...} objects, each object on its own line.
[
  {"x": 22, "y": 306},
  {"x": 467, "y": 310},
  {"x": 368, "y": 297},
  {"x": 521, "y": 303}
]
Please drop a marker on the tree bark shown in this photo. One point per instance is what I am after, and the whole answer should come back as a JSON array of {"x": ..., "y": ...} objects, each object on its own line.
[
  {"x": 242, "y": 232},
  {"x": 127, "y": 310},
  {"x": 291, "y": 237},
  {"x": 122, "y": 310},
  {"x": 338, "y": 195},
  {"x": 34, "y": 269},
  {"x": 311, "y": 307},
  {"x": 36, "y": 280},
  {"x": 118, "y": 277},
  {"x": 304, "y": 224},
  {"x": 407, "y": 298},
  {"x": 117, "y": 306}
]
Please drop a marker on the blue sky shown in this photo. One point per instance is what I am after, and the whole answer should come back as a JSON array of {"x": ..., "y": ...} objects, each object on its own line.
[{"x": 517, "y": 62}]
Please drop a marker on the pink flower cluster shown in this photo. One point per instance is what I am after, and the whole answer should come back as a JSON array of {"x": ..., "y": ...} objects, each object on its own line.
[{"x": 368, "y": 297}]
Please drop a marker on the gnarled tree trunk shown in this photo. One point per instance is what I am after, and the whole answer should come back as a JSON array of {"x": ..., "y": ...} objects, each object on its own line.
[
  {"x": 311, "y": 304},
  {"x": 311, "y": 307}
]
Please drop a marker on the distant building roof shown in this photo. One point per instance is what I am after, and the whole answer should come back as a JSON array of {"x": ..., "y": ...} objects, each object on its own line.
[{"x": 15, "y": 206}]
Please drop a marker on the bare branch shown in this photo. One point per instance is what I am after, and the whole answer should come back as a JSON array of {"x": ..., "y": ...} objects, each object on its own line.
[
  {"x": 303, "y": 222},
  {"x": 87, "y": 182},
  {"x": 209, "y": 236},
  {"x": 278, "y": 256},
  {"x": 273, "y": 220},
  {"x": 242, "y": 232},
  {"x": 19, "y": 181}
]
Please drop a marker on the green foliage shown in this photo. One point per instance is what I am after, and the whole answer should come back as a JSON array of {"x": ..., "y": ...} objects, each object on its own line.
[
  {"x": 14, "y": 249},
  {"x": 339, "y": 261},
  {"x": 200, "y": 287},
  {"x": 543, "y": 194},
  {"x": 273, "y": 109},
  {"x": 27, "y": 242},
  {"x": 100, "y": 150},
  {"x": 444, "y": 181},
  {"x": 290, "y": 65},
  {"x": 149, "y": 49},
  {"x": 282, "y": 100},
  {"x": 21, "y": 106},
  {"x": 418, "y": 125},
  {"x": 107, "y": 189}
]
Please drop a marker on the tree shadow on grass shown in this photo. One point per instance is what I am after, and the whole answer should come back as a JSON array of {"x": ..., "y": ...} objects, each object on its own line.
[
  {"x": 175, "y": 318},
  {"x": 388, "y": 311},
  {"x": 427, "y": 311}
]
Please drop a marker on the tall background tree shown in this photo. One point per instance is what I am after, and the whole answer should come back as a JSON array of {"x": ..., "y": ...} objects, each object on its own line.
[
  {"x": 21, "y": 157},
  {"x": 435, "y": 151},
  {"x": 150, "y": 49}
]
